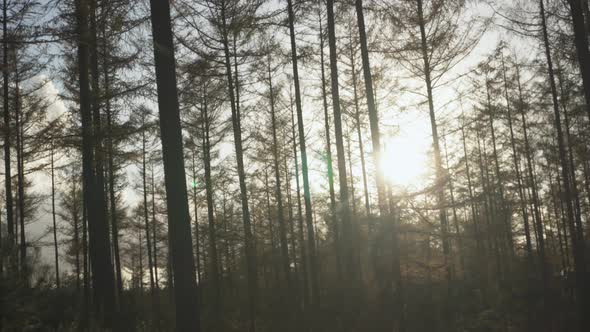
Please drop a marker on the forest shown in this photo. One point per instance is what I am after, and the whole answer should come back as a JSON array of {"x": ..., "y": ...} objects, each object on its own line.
[{"x": 295, "y": 165}]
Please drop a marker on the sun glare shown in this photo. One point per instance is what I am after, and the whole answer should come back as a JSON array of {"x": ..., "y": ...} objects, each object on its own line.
[{"x": 405, "y": 161}]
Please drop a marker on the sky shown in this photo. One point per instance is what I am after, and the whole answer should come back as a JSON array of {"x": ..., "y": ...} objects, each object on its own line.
[{"x": 406, "y": 134}]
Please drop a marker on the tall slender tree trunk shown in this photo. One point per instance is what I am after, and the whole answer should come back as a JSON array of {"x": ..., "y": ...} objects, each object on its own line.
[
  {"x": 563, "y": 218},
  {"x": 140, "y": 276},
  {"x": 7, "y": 130},
  {"x": 439, "y": 174},
  {"x": 293, "y": 237},
  {"x": 251, "y": 264},
  {"x": 16, "y": 247},
  {"x": 562, "y": 253},
  {"x": 499, "y": 185},
  {"x": 313, "y": 263},
  {"x": 330, "y": 169},
  {"x": 347, "y": 229},
  {"x": 20, "y": 173},
  {"x": 479, "y": 247},
  {"x": 399, "y": 323},
  {"x": 102, "y": 271},
  {"x": 285, "y": 263},
  {"x": 197, "y": 230},
  {"x": 274, "y": 259},
  {"x": 529, "y": 162},
  {"x": 76, "y": 241},
  {"x": 487, "y": 215},
  {"x": 454, "y": 210},
  {"x": 229, "y": 249},
  {"x": 148, "y": 238},
  {"x": 215, "y": 280},
  {"x": 185, "y": 294},
  {"x": 300, "y": 226},
  {"x": 357, "y": 122},
  {"x": 583, "y": 300},
  {"x": 490, "y": 200},
  {"x": 154, "y": 226},
  {"x": 95, "y": 102},
  {"x": 373, "y": 115},
  {"x": 57, "y": 281},
  {"x": 515, "y": 159},
  {"x": 382, "y": 199},
  {"x": 571, "y": 162},
  {"x": 111, "y": 165},
  {"x": 352, "y": 188},
  {"x": 581, "y": 42},
  {"x": 356, "y": 229},
  {"x": 85, "y": 264}
]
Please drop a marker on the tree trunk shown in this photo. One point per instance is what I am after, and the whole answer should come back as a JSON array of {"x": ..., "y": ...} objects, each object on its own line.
[
  {"x": 197, "y": 231},
  {"x": 85, "y": 263},
  {"x": 293, "y": 237},
  {"x": 140, "y": 276},
  {"x": 57, "y": 281},
  {"x": 572, "y": 166},
  {"x": 274, "y": 260},
  {"x": 528, "y": 155},
  {"x": 581, "y": 42},
  {"x": 313, "y": 268},
  {"x": 210, "y": 208},
  {"x": 487, "y": 215},
  {"x": 515, "y": 159},
  {"x": 76, "y": 239},
  {"x": 479, "y": 247},
  {"x": 329, "y": 166},
  {"x": 439, "y": 175},
  {"x": 373, "y": 115},
  {"x": 20, "y": 174},
  {"x": 229, "y": 252},
  {"x": 111, "y": 166},
  {"x": 7, "y": 131},
  {"x": 302, "y": 245},
  {"x": 347, "y": 229},
  {"x": 499, "y": 185},
  {"x": 148, "y": 238},
  {"x": 352, "y": 189},
  {"x": 250, "y": 253},
  {"x": 185, "y": 295},
  {"x": 562, "y": 253},
  {"x": 563, "y": 218},
  {"x": 278, "y": 192},
  {"x": 578, "y": 246},
  {"x": 398, "y": 286},
  {"x": 102, "y": 270},
  {"x": 454, "y": 209},
  {"x": 154, "y": 227},
  {"x": 356, "y": 229},
  {"x": 357, "y": 124}
]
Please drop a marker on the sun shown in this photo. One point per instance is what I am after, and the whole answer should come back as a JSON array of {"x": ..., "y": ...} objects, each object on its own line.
[{"x": 405, "y": 161}]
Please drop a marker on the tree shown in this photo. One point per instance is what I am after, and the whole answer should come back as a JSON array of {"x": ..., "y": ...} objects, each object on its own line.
[
  {"x": 7, "y": 126},
  {"x": 578, "y": 245},
  {"x": 304, "y": 164},
  {"x": 102, "y": 271},
  {"x": 581, "y": 42},
  {"x": 372, "y": 110},
  {"x": 347, "y": 229},
  {"x": 185, "y": 296}
]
